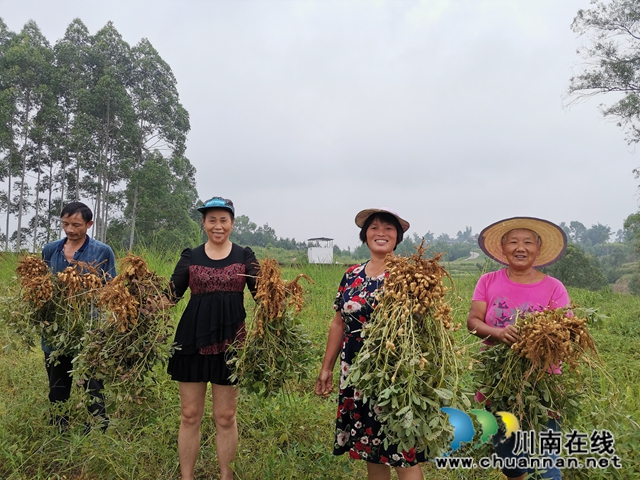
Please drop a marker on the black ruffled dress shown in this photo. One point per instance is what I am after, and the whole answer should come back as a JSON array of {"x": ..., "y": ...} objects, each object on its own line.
[{"x": 215, "y": 314}]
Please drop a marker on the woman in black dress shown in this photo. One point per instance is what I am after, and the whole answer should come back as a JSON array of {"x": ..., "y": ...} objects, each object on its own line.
[
  {"x": 216, "y": 273},
  {"x": 357, "y": 426}
]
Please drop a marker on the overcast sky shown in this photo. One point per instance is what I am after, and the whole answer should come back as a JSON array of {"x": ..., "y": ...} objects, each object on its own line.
[{"x": 453, "y": 113}]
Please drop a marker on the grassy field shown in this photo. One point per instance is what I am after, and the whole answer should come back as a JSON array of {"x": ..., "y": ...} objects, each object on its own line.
[{"x": 285, "y": 437}]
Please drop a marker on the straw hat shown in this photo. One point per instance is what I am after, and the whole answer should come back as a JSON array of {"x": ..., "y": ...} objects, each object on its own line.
[
  {"x": 553, "y": 239},
  {"x": 362, "y": 216}
]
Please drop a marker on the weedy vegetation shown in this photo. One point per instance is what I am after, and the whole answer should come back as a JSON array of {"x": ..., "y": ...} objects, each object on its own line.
[{"x": 288, "y": 434}]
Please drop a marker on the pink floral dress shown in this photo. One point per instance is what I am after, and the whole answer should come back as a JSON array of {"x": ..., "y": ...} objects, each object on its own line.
[{"x": 358, "y": 430}]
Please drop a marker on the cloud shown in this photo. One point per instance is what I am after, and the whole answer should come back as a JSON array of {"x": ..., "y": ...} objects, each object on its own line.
[{"x": 451, "y": 112}]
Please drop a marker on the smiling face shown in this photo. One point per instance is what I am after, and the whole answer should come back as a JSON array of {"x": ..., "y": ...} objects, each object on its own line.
[
  {"x": 75, "y": 227},
  {"x": 381, "y": 236},
  {"x": 217, "y": 223},
  {"x": 520, "y": 248}
]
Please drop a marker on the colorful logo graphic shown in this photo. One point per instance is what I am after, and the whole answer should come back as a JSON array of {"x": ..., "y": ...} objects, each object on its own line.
[{"x": 463, "y": 430}]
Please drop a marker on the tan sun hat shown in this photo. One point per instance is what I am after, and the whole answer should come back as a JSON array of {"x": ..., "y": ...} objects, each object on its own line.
[
  {"x": 362, "y": 216},
  {"x": 553, "y": 240}
]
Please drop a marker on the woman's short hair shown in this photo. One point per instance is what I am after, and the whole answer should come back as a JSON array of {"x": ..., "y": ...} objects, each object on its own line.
[{"x": 386, "y": 218}]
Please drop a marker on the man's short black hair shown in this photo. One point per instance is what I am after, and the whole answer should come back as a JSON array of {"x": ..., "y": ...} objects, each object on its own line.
[
  {"x": 383, "y": 217},
  {"x": 72, "y": 208}
]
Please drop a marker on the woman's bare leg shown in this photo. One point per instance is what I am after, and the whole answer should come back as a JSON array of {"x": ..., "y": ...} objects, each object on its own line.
[
  {"x": 191, "y": 409},
  {"x": 411, "y": 473},
  {"x": 225, "y": 402},
  {"x": 378, "y": 471}
]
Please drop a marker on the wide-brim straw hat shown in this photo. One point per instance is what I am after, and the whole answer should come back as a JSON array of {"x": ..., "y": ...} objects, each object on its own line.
[
  {"x": 362, "y": 216},
  {"x": 552, "y": 246}
]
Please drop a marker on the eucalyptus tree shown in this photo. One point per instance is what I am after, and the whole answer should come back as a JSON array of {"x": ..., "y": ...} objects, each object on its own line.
[
  {"x": 166, "y": 193},
  {"x": 8, "y": 162},
  {"x": 69, "y": 138},
  {"x": 48, "y": 135},
  {"x": 162, "y": 121},
  {"x": 38, "y": 163},
  {"x": 27, "y": 64},
  {"x": 109, "y": 118},
  {"x": 81, "y": 120}
]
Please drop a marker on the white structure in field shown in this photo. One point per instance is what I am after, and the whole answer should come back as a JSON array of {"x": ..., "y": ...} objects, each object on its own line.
[{"x": 320, "y": 250}]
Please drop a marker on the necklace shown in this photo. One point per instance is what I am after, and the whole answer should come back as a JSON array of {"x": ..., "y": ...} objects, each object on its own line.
[{"x": 375, "y": 275}]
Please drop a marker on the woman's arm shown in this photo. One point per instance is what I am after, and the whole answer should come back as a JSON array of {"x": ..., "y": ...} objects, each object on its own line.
[
  {"x": 252, "y": 270},
  {"x": 324, "y": 383},
  {"x": 477, "y": 326},
  {"x": 179, "y": 281}
]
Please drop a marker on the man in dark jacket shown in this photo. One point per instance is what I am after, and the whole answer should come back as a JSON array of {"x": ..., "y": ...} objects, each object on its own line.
[{"x": 77, "y": 246}]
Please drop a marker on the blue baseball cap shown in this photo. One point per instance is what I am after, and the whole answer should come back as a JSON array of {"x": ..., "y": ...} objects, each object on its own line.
[{"x": 217, "y": 202}]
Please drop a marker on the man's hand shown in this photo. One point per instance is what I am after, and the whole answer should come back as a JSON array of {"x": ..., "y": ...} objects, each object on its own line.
[{"x": 159, "y": 302}]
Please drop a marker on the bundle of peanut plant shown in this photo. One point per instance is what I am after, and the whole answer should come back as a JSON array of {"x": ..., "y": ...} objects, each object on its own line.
[
  {"x": 25, "y": 304},
  {"x": 408, "y": 365},
  {"x": 58, "y": 307},
  {"x": 276, "y": 348},
  {"x": 545, "y": 373},
  {"x": 129, "y": 338}
]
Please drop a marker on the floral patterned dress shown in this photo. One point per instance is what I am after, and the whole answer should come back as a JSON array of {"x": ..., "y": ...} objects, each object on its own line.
[{"x": 358, "y": 430}]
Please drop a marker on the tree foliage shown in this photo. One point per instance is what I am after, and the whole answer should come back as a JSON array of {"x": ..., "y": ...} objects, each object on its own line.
[
  {"x": 586, "y": 237},
  {"x": 577, "y": 269},
  {"x": 612, "y": 60},
  {"x": 246, "y": 232},
  {"x": 78, "y": 121},
  {"x": 165, "y": 191}
]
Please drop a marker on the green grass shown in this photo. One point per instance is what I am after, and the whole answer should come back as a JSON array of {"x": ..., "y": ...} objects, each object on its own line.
[{"x": 289, "y": 436}]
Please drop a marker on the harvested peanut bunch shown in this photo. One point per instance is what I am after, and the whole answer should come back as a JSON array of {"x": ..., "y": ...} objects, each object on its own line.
[
  {"x": 276, "y": 348},
  {"x": 127, "y": 341},
  {"x": 35, "y": 278},
  {"x": 551, "y": 337},
  {"x": 408, "y": 366},
  {"x": 539, "y": 375}
]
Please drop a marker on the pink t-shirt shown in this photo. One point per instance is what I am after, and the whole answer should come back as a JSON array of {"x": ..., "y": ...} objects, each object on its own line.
[{"x": 504, "y": 297}]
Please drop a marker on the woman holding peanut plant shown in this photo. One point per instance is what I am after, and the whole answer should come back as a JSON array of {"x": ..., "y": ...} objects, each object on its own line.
[
  {"x": 522, "y": 244},
  {"x": 216, "y": 273},
  {"x": 358, "y": 430}
]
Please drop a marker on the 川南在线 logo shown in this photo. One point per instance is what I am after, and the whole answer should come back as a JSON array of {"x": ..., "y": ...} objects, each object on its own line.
[{"x": 463, "y": 430}]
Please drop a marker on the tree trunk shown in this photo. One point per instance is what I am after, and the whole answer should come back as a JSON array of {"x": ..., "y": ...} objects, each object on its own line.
[
  {"x": 134, "y": 207},
  {"x": 105, "y": 210},
  {"x": 37, "y": 213},
  {"x": 23, "y": 171},
  {"x": 49, "y": 207},
  {"x": 64, "y": 173},
  {"x": 6, "y": 242}
]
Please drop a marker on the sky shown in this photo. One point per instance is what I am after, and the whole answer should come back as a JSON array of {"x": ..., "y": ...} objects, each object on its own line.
[{"x": 453, "y": 113}]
